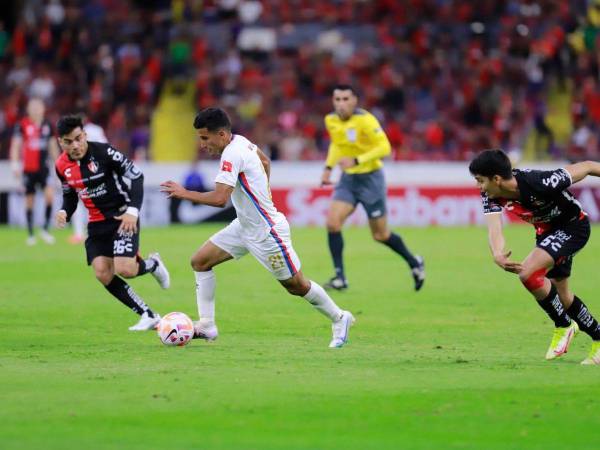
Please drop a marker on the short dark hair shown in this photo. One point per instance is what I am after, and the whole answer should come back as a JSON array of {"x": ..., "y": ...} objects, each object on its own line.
[
  {"x": 491, "y": 162},
  {"x": 213, "y": 119},
  {"x": 344, "y": 87},
  {"x": 68, "y": 123}
]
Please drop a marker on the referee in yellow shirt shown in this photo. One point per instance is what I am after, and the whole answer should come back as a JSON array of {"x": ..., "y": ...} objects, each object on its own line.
[{"x": 357, "y": 145}]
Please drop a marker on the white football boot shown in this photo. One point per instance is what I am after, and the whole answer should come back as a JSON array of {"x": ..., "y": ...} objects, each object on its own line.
[
  {"x": 341, "y": 328},
  {"x": 205, "y": 329},
  {"x": 146, "y": 323},
  {"x": 47, "y": 237},
  {"x": 31, "y": 240},
  {"x": 161, "y": 274}
]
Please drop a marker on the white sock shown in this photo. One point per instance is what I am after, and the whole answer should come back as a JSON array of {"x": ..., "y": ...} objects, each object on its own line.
[
  {"x": 205, "y": 294},
  {"x": 317, "y": 297}
]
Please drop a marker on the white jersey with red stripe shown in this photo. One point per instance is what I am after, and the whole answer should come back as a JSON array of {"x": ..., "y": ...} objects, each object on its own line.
[{"x": 242, "y": 169}]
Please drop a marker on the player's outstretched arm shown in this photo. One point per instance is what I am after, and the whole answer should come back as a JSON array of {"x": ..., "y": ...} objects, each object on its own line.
[
  {"x": 219, "y": 197},
  {"x": 497, "y": 243},
  {"x": 580, "y": 170}
]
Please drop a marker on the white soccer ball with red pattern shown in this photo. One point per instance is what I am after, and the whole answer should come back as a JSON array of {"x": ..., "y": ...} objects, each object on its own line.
[{"x": 175, "y": 328}]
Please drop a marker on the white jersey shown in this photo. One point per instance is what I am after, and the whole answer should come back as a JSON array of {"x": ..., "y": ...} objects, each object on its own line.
[
  {"x": 242, "y": 169},
  {"x": 95, "y": 133}
]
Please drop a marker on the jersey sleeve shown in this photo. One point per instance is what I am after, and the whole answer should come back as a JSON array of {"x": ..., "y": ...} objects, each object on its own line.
[
  {"x": 490, "y": 206},
  {"x": 231, "y": 165},
  {"x": 380, "y": 144},
  {"x": 123, "y": 165},
  {"x": 550, "y": 181},
  {"x": 127, "y": 168},
  {"x": 69, "y": 195}
]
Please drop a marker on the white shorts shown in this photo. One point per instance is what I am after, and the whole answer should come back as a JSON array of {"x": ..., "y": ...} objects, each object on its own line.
[{"x": 275, "y": 252}]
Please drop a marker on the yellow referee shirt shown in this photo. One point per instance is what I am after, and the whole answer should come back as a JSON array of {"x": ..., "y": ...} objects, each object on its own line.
[{"x": 359, "y": 137}]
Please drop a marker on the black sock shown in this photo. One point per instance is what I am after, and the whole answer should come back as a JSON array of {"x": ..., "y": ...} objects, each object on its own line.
[
  {"x": 555, "y": 309},
  {"x": 47, "y": 215},
  {"x": 396, "y": 243},
  {"x": 146, "y": 265},
  {"x": 29, "y": 217},
  {"x": 336, "y": 247},
  {"x": 126, "y": 295},
  {"x": 582, "y": 315}
]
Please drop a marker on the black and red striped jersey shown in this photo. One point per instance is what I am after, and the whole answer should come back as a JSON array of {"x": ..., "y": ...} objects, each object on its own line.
[
  {"x": 36, "y": 140},
  {"x": 544, "y": 200},
  {"x": 98, "y": 180}
]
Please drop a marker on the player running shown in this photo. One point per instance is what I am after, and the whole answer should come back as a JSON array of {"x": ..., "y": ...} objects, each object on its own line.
[
  {"x": 562, "y": 228},
  {"x": 357, "y": 145},
  {"x": 94, "y": 172},
  {"x": 259, "y": 228}
]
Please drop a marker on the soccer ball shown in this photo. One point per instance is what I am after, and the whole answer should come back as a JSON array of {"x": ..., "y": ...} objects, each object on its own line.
[{"x": 175, "y": 328}]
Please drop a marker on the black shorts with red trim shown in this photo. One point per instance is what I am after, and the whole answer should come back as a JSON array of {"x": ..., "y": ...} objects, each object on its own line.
[
  {"x": 104, "y": 239},
  {"x": 563, "y": 242},
  {"x": 33, "y": 180}
]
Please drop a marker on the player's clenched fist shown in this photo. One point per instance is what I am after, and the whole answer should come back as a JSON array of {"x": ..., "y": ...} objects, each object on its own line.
[{"x": 61, "y": 218}]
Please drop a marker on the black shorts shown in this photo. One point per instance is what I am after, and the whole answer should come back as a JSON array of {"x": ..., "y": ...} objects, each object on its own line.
[
  {"x": 368, "y": 189},
  {"x": 104, "y": 240},
  {"x": 31, "y": 180},
  {"x": 562, "y": 243}
]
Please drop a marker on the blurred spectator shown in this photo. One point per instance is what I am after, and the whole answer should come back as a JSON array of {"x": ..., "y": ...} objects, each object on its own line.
[{"x": 445, "y": 77}]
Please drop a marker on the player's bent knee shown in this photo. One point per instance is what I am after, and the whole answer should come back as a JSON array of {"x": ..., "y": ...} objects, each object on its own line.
[
  {"x": 334, "y": 227},
  {"x": 200, "y": 264},
  {"x": 296, "y": 285},
  {"x": 533, "y": 281},
  {"x": 104, "y": 276},
  {"x": 381, "y": 237},
  {"x": 126, "y": 270}
]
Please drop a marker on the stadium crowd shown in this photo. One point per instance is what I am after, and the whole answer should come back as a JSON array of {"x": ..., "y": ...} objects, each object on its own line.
[{"x": 445, "y": 77}]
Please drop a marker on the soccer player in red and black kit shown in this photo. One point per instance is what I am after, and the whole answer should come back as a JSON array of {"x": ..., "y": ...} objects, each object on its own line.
[
  {"x": 541, "y": 198},
  {"x": 33, "y": 142},
  {"x": 94, "y": 172}
]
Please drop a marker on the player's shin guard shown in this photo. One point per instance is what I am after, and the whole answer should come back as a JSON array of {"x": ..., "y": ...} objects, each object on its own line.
[
  {"x": 205, "y": 294},
  {"x": 555, "y": 309},
  {"x": 336, "y": 248},
  {"x": 29, "y": 217},
  {"x": 396, "y": 243},
  {"x": 317, "y": 297},
  {"x": 579, "y": 312},
  {"x": 126, "y": 295}
]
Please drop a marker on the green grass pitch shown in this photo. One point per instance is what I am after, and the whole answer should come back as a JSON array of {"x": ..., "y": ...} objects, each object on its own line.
[{"x": 459, "y": 365}]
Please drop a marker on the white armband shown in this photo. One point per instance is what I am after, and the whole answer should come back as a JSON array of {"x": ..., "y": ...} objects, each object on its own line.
[{"x": 132, "y": 211}]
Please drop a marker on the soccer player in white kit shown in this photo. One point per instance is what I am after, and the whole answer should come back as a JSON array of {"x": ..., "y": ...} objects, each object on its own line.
[{"x": 259, "y": 228}]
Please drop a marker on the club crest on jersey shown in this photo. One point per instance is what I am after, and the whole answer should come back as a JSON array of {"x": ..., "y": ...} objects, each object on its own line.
[
  {"x": 226, "y": 166},
  {"x": 93, "y": 166}
]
